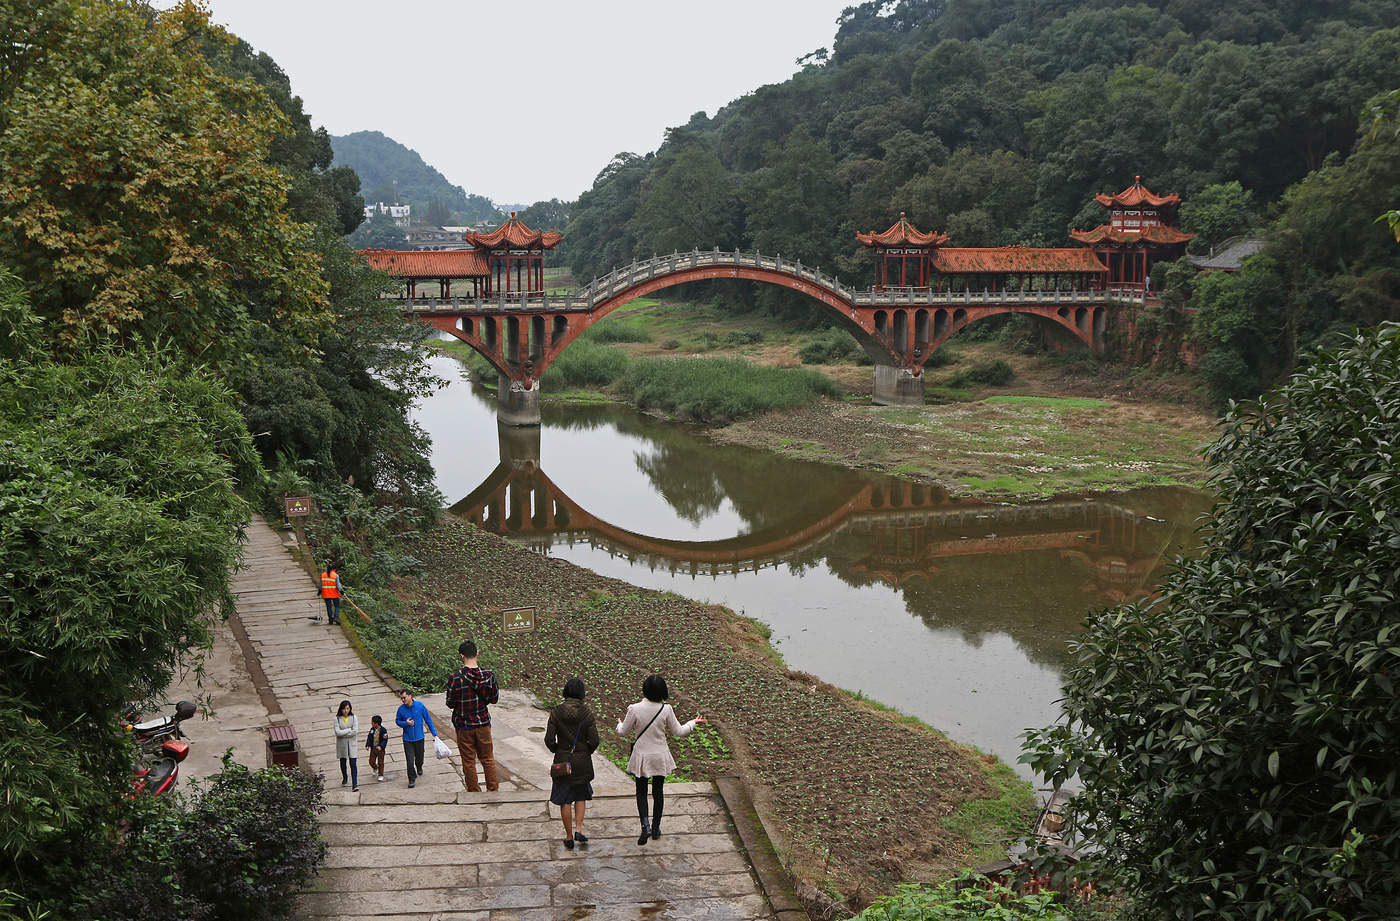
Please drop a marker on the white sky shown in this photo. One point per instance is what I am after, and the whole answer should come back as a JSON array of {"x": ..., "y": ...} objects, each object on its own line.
[{"x": 527, "y": 101}]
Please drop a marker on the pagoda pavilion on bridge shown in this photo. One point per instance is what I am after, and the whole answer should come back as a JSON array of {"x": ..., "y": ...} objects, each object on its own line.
[
  {"x": 1120, "y": 254},
  {"x": 508, "y": 260},
  {"x": 1141, "y": 231}
]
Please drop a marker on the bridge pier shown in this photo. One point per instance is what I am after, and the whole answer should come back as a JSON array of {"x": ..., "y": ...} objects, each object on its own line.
[
  {"x": 517, "y": 404},
  {"x": 897, "y": 387}
]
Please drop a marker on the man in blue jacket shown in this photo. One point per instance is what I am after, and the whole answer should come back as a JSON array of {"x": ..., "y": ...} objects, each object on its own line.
[{"x": 413, "y": 717}]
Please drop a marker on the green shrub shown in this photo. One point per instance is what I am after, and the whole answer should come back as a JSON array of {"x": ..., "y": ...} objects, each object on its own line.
[
  {"x": 248, "y": 842},
  {"x": 719, "y": 389},
  {"x": 830, "y": 347},
  {"x": 1234, "y": 738},
  {"x": 742, "y": 337},
  {"x": 995, "y": 372},
  {"x": 671, "y": 345},
  {"x": 976, "y": 900}
]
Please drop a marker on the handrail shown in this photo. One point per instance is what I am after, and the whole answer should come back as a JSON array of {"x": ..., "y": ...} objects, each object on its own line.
[{"x": 620, "y": 279}]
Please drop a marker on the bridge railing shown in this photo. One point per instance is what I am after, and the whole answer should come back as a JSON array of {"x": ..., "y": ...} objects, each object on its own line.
[{"x": 620, "y": 280}]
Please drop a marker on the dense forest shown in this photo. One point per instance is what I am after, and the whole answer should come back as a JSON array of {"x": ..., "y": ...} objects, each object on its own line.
[
  {"x": 998, "y": 121},
  {"x": 391, "y": 172}
]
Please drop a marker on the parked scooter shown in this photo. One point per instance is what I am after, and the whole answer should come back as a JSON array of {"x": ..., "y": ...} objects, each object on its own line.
[
  {"x": 159, "y": 777},
  {"x": 151, "y": 733}
]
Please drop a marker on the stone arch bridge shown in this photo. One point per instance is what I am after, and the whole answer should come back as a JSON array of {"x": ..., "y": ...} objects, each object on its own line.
[{"x": 521, "y": 334}]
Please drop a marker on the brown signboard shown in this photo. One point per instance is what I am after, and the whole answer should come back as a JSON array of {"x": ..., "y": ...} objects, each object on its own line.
[
  {"x": 297, "y": 506},
  {"x": 518, "y": 620}
]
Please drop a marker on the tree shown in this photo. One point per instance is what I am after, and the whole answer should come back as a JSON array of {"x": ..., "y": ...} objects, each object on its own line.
[
  {"x": 1217, "y": 213},
  {"x": 689, "y": 202},
  {"x": 1235, "y": 738},
  {"x": 167, "y": 217},
  {"x": 119, "y": 527}
]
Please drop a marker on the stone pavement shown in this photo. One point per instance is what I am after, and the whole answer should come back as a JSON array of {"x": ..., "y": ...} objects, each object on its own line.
[{"x": 439, "y": 852}]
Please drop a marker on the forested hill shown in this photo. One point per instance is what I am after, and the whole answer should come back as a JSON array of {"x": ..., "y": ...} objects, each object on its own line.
[
  {"x": 387, "y": 169},
  {"x": 997, "y": 121}
]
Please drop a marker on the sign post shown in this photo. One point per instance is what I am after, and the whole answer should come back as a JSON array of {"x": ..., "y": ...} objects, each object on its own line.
[
  {"x": 518, "y": 620},
  {"x": 297, "y": 508}
]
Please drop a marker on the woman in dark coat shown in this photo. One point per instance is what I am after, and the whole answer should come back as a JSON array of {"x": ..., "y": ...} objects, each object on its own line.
[{"x": 572, "y": 735}]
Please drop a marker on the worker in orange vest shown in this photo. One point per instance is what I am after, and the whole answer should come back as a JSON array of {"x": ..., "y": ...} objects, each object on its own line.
[{"x": 330, "y": 593}]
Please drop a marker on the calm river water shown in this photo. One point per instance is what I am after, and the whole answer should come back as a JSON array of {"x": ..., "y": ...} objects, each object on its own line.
[{"x": 956, "y": 611}]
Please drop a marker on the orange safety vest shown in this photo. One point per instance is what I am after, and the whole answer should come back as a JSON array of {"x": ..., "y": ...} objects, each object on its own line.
[{"x": 328, "y": 589}]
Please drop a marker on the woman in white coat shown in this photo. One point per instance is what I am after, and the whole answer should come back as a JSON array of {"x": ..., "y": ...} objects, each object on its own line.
[
  {"x": 346, "y": 728},
  {"x": 651, "y": 718}
]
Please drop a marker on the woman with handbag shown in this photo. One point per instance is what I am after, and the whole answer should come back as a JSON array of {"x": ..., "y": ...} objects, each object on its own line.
[
  {"x": 572, "y": 734},
  {"x": 651, "y": 755}
]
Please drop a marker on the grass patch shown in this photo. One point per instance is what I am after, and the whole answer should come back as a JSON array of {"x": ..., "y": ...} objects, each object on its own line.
[
  {"x": 719, "y": 389},
  {"x": 628, "y": 329},
  {"x": 586, "y": 365},
  {"x": 989, "y": 824},
  {"x": 1050, "y": 402}
]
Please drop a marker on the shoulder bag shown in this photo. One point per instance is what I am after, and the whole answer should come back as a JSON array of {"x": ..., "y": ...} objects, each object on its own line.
[
  {"x": 563, "y": 770},
  {"x": 644, "y": 729}
]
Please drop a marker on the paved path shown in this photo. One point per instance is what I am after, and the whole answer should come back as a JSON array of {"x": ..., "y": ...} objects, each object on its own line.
[{"x": 438, "y": 852}]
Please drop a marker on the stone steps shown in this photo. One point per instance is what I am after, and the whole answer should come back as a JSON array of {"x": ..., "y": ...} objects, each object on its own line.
[{"x": 440, "y": 853}]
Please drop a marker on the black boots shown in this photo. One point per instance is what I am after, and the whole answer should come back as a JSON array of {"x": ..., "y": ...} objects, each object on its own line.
[{"x": 642, "y": 839}]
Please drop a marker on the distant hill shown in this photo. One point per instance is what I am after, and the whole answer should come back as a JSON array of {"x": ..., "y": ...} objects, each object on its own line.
[{"x": 383, "y": 163}]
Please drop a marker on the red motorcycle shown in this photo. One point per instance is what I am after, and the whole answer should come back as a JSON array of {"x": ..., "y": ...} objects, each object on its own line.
[{"x": 159, "y": 776}]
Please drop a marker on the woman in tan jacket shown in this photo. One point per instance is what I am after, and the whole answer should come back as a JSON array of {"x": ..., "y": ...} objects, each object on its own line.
[{"x": 651, "y": 718}]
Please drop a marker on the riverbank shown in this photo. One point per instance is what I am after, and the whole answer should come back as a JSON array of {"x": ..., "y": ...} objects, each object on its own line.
[{"x": 856, "y": 798}]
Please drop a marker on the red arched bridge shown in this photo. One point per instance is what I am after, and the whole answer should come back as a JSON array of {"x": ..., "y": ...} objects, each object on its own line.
[{"x": 521, "y": 334}]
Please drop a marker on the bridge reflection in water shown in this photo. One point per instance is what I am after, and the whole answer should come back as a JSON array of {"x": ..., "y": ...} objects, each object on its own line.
[
  {"x": 956, "y": 611},
  {"x": 886, "y": 530}
]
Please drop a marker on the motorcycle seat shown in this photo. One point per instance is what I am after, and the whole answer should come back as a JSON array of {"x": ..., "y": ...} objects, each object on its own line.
[
  {"x": 159, "y": 722},
  {"x": 160, "y": 771}
]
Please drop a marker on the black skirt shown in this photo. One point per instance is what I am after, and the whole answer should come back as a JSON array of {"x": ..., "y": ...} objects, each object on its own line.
[{"x": 564, "y": 793}]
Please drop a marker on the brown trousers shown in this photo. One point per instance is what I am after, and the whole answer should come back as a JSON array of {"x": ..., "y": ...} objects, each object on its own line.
[
  {"x": 376, "y": 760},
  {"x": 473, "y": 744}
]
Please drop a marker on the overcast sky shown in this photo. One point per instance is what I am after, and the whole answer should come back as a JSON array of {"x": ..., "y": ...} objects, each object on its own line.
[{"x": 527, "y": 101}]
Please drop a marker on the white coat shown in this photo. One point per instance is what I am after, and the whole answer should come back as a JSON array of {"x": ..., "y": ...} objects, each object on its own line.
[
  {"x": 651, "y": 756},
  {"x": 345, "y": 735}
]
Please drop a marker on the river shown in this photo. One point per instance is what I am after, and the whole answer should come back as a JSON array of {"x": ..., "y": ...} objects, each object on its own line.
[{"x": 957, "y": 611}]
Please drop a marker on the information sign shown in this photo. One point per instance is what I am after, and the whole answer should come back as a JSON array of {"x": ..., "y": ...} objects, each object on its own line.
[{"x": 518, "y": 620}]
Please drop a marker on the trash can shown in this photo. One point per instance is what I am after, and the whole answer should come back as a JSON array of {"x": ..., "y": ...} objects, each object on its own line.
[{"x": 282, "y": 746}]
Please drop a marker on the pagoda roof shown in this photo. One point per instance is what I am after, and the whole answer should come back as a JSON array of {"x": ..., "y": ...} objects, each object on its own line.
[
  {"x": 1160, "y": 234},
  {"x": 1015, "y": 259},
  {"x": 1135, "y": 196},
  {"x": 902, "y": 233},
  {"x": 419, "y": 263},
  {"x": 514, "y": 233}
]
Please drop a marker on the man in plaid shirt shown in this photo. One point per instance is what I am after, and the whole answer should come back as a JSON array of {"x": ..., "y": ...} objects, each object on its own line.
[{"x": 469, "y": 690}]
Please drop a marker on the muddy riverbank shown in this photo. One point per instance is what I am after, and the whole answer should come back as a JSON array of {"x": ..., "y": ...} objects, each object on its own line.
[{"x": 856, "y": 797}]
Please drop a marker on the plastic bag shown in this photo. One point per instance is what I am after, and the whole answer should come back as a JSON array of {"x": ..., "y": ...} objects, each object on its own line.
[{"x": 440, "y": 748}]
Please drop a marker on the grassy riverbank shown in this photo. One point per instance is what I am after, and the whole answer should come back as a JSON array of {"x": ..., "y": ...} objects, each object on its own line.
[{"x": 857, "y": 797}]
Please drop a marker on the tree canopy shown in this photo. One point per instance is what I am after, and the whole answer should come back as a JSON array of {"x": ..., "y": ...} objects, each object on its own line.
[{"x": 1235, "y": 738}]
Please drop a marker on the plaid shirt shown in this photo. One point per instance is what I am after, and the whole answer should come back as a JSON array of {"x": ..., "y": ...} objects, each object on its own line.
[{"x": 469, "y": 690}]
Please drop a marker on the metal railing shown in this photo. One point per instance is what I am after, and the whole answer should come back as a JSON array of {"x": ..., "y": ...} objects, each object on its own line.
[{"x": 620, "y": 280}]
